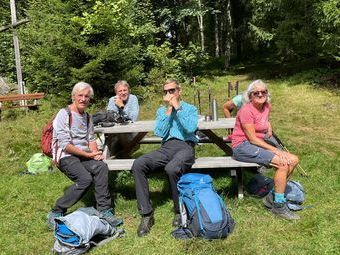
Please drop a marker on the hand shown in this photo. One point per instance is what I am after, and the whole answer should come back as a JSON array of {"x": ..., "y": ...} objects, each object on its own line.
[
  {"x": 174, "y": 102},
  {"x": 119, "y": 102},
  {"x": 171, "y": 100},
  {"x": 167, "y": 98},
  {"x": 269, "y": 133},
  {"x": 96, "y": 155}
]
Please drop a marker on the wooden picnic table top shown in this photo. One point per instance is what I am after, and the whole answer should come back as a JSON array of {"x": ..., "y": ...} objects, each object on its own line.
[{"x": 148, "y": 126}]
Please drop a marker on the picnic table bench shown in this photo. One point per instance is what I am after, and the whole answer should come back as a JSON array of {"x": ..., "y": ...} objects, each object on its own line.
[
  {"x": 202, "y": 163},
  {"x": 142, "y": 128},
  {"x": 30, "y": 101}
]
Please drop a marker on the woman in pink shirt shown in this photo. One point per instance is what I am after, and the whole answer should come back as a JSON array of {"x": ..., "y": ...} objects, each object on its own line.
[{"x": 251, "y": 127}]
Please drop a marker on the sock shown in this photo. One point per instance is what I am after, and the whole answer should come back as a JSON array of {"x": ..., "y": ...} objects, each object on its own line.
[{"x": 279, "y": 198}]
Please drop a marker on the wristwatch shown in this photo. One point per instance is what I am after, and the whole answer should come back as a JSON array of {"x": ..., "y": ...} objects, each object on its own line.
[{"x": 179, "y": 108}]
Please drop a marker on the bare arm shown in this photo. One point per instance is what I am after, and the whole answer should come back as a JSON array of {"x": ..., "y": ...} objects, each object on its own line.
[{"x": 228, "y": 107}]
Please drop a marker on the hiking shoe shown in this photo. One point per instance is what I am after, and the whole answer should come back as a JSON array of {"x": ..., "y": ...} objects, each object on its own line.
[
  {"x": 268, "y": 200},
  {"x": 177, "y": 221},
  {"x": 282, "y": 210},
  {"x": 110, "y": 217},
  {"x": 146, "y": 222},
  {"x": 51, "y": 216}
]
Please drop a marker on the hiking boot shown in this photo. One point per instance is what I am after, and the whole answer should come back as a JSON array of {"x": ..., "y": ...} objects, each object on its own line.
[
  {"x": 282, "y": 210},
  {"x": 110, "y": 217},
  {"x": 146, "y": 222},
  {"x": 268, "y": 200},
  {"x": 51, "y": 216},
  {"x": 177, "y": 221}
]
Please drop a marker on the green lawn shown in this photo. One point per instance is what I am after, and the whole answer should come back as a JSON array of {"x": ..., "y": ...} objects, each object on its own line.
[{"x": 306, "y": 118}]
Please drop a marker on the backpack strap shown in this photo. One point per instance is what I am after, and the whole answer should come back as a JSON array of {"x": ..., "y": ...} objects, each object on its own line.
[{"x": 68, "y": 110}]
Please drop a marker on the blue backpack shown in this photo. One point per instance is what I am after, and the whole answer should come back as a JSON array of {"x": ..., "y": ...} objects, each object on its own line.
[{"x": 203, "y": 211}]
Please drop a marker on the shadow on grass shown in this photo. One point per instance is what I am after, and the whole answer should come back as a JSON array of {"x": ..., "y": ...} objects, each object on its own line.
[{"x": 316, "y": 71}]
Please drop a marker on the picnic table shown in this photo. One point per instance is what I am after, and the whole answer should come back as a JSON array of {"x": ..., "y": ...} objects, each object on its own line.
[{"x": 141, "y": 128}]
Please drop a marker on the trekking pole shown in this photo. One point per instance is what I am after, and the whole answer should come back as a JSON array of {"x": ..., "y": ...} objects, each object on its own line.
[{"x": 303, "y": 171}]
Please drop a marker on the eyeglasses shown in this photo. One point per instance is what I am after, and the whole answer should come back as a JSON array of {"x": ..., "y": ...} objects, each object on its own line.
[
  {"x": 170, "y": 91},
  {"x": 263, "y": 92}
]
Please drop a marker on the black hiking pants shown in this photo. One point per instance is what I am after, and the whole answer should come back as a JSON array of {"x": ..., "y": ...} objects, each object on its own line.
[
  {"x": 175, "y": 157},
  {"x": 84, "y": 173}
]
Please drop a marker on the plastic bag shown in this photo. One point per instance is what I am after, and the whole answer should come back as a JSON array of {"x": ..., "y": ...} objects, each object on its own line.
[{"x": 39, "y": 163}]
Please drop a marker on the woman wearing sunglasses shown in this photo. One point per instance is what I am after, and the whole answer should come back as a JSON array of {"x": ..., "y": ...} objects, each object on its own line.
[{"x": 248, "y": 143}]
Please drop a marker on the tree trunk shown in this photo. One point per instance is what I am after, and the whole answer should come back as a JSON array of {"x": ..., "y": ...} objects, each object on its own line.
[
  {"x": 228, "y": 39},
  {"x": 201, "y": 25},
  {"x": 217, "y": 41}
]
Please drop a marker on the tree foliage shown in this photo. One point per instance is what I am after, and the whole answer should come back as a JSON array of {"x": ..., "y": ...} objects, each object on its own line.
[{"x": 146, "y": 41}]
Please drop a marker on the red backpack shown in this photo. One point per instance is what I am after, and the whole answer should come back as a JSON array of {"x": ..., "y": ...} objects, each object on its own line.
[{"x": 47, "y": 135}]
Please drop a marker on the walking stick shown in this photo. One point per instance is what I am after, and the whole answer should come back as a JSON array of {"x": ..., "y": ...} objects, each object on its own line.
[{"x": 303, "y": 171}]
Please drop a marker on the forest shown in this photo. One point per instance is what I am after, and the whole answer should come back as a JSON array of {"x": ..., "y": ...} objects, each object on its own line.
[{"x": 145, "y": 42}]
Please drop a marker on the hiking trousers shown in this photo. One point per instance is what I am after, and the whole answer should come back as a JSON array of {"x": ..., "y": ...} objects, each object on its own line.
[
  {"x": 84, "y": 172},
  {"x": 175, "y": 157}
]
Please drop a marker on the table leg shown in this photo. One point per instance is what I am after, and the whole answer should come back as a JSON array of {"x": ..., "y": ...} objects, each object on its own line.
[
  {"x": 218, "y": 141},
  {"x": 237, "y": 175},
  {"x": 133, "y": 143}
]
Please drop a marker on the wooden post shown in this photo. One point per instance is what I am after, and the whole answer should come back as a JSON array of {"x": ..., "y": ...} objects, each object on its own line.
[
  {"x": 230, "y": 87},
  {"x": 16, "y": 49},
  {"x": 199, "y": 102}
]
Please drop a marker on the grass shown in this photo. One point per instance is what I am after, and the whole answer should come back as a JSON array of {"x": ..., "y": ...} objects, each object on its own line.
[{"x": 306, "y": 118}]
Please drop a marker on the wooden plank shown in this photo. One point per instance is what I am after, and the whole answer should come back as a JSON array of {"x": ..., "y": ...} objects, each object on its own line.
[
  {"x": 148, "y": 126},
  {"x": 200, "y": 163},
  {"x": 158, "y": 140},
  {"x": 19, "y": 97},
  {"x": 20, "y": 106}
]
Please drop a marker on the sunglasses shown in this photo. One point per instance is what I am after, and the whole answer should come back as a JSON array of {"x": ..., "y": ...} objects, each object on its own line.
[
  {"x": 170, "y": 91},
  {"x": 263, "y": 92}
]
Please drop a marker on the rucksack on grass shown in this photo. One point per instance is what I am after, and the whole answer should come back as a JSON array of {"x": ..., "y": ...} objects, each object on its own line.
[
  {"x": 203, "y": 211},
  {"x": 261, "y": 185},
  {"x": 81, "y": 230}
]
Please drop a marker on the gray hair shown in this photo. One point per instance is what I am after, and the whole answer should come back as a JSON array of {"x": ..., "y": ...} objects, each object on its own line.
[
  {"x": 81, "y": 86},
  {"x": 168, "y": 81},
  {"x": 247, "y": 93},
  {"x": 121, "y": 83}
]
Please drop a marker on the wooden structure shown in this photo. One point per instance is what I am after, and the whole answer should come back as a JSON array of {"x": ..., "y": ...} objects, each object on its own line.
[
  {"x": 142, "y": 128},
  {"x": 29, "y": 101}
]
